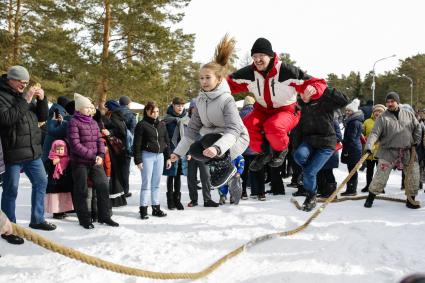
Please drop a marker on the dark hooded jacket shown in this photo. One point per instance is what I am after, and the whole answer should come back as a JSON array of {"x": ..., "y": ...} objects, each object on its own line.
[
  {"x": 352, "y": 146},
  {"x": 316, "y": 126}
]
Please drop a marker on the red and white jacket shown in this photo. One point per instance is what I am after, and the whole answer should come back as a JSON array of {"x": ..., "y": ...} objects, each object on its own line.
[{"x": 279, "y": 87}]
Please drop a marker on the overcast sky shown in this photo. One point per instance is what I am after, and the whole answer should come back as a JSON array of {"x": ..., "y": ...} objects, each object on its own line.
[{"x": 327, "y": 36}]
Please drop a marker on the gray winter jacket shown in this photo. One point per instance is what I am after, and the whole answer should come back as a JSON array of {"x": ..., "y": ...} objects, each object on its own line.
[
  {"x": 394, "y": 134},
  {"x": 216, "y": 113}
]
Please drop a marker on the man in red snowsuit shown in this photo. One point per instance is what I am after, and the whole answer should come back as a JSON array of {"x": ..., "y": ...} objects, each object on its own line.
[{"x": 275, "y": 85}]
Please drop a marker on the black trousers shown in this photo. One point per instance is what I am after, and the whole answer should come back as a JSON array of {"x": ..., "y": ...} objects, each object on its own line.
[
  {"x": 245, "y": 174},
  {"x": 277, "y": 186},
  {"x": 96, "y": 173},
  {"x": 192, "y": 179},
  {"x": 370, "y": 166},
  {"x": 126, "y": 174}
]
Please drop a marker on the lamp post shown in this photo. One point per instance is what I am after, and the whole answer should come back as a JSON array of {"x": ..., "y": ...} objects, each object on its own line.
[
  {"x": 411, "y": 87},
  {"x": 373, "y": 86}
]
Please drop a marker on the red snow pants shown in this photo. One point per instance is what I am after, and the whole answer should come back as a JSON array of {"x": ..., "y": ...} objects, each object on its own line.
[{"x": 274, "y": 124}]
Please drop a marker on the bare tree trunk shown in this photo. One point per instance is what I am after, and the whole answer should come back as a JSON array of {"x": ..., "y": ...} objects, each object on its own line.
[
  {"x": 128, "y": 50},
  {"x": 10, "y": 16},
  {"x": 103, "y": 86},
  {"x": 16, "y": 35}
]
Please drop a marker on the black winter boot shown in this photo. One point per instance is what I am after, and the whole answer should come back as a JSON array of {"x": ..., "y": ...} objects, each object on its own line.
[
  {"x": 351, "y": 189},
  {"x": 143, "y": 212},
  {"x": 109, "y": 222},
  {"x": 170, "y": 201},
  {"x": 210, "y": 203},
  {"x": 301, "y": 192},
  {"x": 177, "y": 201},
  {"x": 156, "y": 211},
  {"x": 310, "y": 202},
  {"x": 278, "y": 158},
  {"x": 369, "y": 201},
  {"x": 411, "y": 205},
  {"x": 221, "y": 170},
  {"x": 328, "y": 190}
]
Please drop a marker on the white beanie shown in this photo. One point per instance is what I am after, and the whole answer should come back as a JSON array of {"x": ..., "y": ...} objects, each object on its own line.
[
  {"x": 81, "y": 102},
  {"x": 354, "y": 105}
]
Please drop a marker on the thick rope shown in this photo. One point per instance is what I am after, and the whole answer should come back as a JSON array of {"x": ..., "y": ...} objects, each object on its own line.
[
  {"x": 332, "y": 197},
  {"x": 71, "y": 253},
  {"x": 342, "y": 199}
]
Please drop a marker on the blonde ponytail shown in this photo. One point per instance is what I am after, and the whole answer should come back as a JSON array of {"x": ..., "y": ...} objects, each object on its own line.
[{"x": 222, "y": 57}]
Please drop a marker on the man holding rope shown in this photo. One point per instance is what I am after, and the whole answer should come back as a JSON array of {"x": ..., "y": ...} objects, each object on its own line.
[{"x": 397, "y": 131}]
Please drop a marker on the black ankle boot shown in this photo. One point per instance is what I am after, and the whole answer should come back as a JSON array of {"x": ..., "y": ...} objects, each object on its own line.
[
  {"x": 59, "y": 215},
  {"x": 351, "y": 189},
  {"x": 221, "y": 170},
  {"x": 278, "y": 158},
  {"x": 300, "y": 192},
  {"x": 310, "y": 202},
  {"x": 411, "y": 205},
  {"x": 156, "y": 211},
  {"x": 210, "y": 203},
  {"x": 143, "y": 210},
  {"x": 177, "y": 201},
  {"x": 369, "y": 201},
  {"x": 87, "y": 225},
  {"x": 170, "y": 201},
  {"x": 109, "y": 222},
  {"x": 365, "y": 189},
  {"x": 329, "y": 189}
]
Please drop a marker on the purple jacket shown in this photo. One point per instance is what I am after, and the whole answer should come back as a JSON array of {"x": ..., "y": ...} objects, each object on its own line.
[{"x": 84, "y": 140}]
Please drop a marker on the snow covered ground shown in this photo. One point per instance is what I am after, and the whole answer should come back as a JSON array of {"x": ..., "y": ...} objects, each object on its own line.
[{"x": 347, "y": 243}]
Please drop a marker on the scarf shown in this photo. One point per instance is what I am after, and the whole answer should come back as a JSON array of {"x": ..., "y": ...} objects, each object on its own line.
[
  {"x": 64, "y": 158},
  {"x": 83, "y": 118}
]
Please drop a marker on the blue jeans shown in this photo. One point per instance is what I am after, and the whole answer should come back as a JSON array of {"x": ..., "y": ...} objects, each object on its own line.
[
  {"x": 153, "y": 165},
  {"x": 311, "y": 161},
  {"x": 35, "y": 171}
]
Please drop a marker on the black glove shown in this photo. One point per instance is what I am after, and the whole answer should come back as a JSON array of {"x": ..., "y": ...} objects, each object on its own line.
[{"x": 368, "y": 151}]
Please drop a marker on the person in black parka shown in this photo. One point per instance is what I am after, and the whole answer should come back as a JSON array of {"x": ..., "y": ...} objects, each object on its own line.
[{"x": 20, "y": 113}]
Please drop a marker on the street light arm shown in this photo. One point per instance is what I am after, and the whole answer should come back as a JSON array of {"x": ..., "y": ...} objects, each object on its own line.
[
  {"x": 411, "y": 86},
  {"x": 373, "y": 86},
  {"x": 407, "y": 77},
  {"x": 382, "y": 60}
]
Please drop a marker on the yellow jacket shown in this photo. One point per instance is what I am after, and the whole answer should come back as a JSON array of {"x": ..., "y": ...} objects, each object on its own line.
[{"x": 367, "y": 129}]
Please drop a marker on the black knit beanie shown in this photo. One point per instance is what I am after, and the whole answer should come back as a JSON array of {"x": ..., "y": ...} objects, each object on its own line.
[
  {"x": 393, "y": 95},
  {"x": 262, "y": 45}
]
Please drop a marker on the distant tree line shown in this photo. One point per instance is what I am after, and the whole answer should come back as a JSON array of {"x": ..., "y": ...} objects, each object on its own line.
[{"x": 109, "y": 48}]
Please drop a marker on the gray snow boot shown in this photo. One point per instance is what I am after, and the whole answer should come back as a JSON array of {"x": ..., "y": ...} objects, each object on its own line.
[{"x": 235, "y": 189}]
